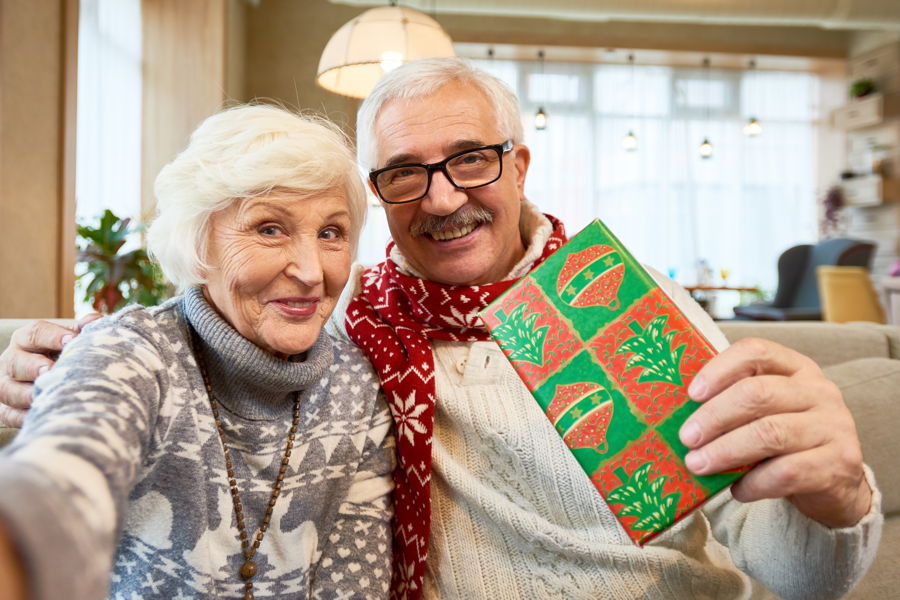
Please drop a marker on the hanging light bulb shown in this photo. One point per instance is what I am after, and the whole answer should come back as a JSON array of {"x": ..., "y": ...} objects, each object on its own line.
[
  {"x": 540, "y": 119},
  {"x": 706, "y": 149},
  {"x": 752, "y": 128},
  {"x": 630, "y": 142}
]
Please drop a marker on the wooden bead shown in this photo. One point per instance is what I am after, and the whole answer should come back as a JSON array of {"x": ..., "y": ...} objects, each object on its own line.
[{"x": 248, "y": 570}]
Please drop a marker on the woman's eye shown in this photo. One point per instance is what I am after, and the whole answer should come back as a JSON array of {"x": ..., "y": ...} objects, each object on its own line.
[
  {"x": 269, "y": 230},
  {"x": 332, "y": 233}
]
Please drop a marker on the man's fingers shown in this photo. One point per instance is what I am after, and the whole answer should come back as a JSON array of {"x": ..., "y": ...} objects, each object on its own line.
[
  {"x": 24, "y": 366},
  {"x": 11, "y": 417},
  {"x": 16, "y": 395},
  {"x": 795, "y": 475},
  {"x": 758, "y": 440},
  {"x": 42, "y": 336},
  {"x": 88, "y": 318},
  {"x": 746, "y": 358},
  {"x": 753, "y": 398}
]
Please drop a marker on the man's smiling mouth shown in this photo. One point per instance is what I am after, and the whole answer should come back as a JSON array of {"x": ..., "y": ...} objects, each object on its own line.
[{"x": 452, "y": 234}]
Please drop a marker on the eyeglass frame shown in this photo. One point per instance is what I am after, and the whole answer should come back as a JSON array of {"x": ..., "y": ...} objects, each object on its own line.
[{"x": 441, "y": 166}]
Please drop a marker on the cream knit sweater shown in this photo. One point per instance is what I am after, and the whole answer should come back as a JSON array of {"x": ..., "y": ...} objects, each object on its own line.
[{"x": 515, "y": 517}]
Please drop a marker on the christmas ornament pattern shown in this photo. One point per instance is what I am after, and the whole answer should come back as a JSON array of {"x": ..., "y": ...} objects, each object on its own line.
[
  {"x": 581, "y": 413},
  {"x": 591, "y": 277},
  {"x": 608, "y": 357}
]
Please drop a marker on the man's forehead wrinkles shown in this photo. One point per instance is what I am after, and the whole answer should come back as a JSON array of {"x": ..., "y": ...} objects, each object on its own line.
[{"x": 447, "y": 150}]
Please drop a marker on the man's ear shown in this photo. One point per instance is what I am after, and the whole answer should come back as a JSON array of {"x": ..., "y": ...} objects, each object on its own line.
[{"x": 521, "y": 161}]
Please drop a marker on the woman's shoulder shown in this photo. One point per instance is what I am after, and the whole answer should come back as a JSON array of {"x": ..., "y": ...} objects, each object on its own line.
[{"x": 154, "y": 323}]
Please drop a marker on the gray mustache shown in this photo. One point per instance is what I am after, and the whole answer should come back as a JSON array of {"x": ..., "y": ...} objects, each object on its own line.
[{"x": 461, "y": 218}]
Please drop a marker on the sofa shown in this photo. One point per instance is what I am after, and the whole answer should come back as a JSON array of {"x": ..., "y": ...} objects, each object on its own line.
[{"x": 863, "y": 359}]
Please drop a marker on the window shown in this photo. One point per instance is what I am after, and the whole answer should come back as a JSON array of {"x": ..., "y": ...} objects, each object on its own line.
[{"x": 738, "y": 210}]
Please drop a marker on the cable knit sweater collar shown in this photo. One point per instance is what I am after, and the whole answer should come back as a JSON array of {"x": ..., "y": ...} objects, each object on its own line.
[{"x": 247, "y": 380}]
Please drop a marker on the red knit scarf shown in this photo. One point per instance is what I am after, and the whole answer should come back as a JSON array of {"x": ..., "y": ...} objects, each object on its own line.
[{"x": 393, "y": 319}]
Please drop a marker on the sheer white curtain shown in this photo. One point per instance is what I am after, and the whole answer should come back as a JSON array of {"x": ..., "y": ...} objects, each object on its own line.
[
  {"x": 737, "y": 210},
  {"x": 108, "y": 152},
  {"x": 108, "y": 139}
]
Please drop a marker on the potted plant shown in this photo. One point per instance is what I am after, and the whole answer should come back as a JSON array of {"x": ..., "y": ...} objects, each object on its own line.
[
  {"x": 114, "y": 278},
  {"x": 862, "y": 87},
  {"x": 833, "y": 202}
]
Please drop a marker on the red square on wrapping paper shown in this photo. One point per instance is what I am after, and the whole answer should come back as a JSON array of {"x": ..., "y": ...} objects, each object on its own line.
[
  {"x": 561, "y": 342},
  {"x": 653, "y": 401},
  {"x": 649, "y": 448}
]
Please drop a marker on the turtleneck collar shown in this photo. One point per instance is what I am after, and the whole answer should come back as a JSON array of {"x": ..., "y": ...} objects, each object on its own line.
[{"x": 247, "y": 380}]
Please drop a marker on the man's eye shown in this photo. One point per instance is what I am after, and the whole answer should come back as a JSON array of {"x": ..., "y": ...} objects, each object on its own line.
[
  {"x": 269, "y": 230},
  {"x": 473, "y": 158},
  {"x": 400, "y": 174}
]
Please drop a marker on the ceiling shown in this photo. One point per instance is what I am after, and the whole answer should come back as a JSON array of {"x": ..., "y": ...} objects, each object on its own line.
[{"x": 828, "y": 14}]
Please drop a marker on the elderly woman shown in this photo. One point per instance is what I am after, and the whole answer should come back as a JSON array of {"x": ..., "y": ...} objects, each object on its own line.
[{"x": 220, "y": 445}]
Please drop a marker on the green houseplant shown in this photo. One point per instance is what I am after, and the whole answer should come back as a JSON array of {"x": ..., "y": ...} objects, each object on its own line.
[
  {"x": 113, "y": 278},
  {"x": 862, "y": 87}
]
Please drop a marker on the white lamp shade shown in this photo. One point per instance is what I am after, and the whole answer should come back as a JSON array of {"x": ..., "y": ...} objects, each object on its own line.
[{"x": 375, "y": 42}]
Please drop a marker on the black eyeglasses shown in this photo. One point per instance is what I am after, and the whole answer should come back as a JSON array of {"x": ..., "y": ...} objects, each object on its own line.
[{"x": 399, "y": 184}]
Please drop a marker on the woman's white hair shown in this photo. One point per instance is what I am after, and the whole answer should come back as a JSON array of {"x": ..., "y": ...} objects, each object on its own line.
[
  {"x": 238, "y": 153},
  {"x": 424, "y": 77}
]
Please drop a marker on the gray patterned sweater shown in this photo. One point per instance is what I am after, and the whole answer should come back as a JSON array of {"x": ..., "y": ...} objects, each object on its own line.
[{"x": 119, "y": 468}]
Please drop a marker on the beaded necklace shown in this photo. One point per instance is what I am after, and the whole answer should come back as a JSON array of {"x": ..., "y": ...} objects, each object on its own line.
[{"x": 248, "y": 548}]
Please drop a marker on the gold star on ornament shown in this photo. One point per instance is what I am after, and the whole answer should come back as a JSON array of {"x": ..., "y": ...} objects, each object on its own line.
[
  {"x": 576, "y": 413},
  {"x": 588, "y": 274},
  {"x": 570, "y": 289},
  {"x": 609, "y": 261}
]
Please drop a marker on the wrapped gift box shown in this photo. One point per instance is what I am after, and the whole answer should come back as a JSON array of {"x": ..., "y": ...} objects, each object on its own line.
[{"x": 608, "y": 356}]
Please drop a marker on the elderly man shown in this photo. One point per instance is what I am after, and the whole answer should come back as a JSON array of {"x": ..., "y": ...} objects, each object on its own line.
[{"x": 489, "y": 501}]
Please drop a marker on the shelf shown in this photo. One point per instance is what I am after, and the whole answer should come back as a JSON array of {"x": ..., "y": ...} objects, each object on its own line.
[
  {"x": 866, "y": 112},
  {"x": 870, "y": 190}
]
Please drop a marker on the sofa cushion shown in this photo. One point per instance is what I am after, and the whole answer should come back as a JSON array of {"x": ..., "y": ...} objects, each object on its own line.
[
  {"x": 870, "y": 389},
  {"x": 825, "y": 343}
]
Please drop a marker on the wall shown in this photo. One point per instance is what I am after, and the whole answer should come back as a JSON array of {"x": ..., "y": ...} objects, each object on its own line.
[
  {"x": 286, "y": 37},
  {"x": 184, "y": 52},
  {"x": 31, "y": 157}
]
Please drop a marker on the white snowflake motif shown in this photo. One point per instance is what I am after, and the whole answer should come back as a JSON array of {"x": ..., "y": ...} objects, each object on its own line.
[{"x": 406, "y": 415}]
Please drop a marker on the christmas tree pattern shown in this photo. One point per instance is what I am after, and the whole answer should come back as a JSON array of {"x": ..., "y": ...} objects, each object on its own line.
[
  {"x": 653, "y": 352},
  {"x": 581, "y": 413},
  {"x": 644, "y": 500},
  {"x": 519, "y": 333}
]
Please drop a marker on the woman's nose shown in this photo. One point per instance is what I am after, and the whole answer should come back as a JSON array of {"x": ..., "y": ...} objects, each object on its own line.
[
  {"x": 443, "y": 197},
  {"x": 305, "y": 264}
]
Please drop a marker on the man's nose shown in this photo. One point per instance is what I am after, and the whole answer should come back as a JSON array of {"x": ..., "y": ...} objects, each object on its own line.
[{"x": 443, "y": 197}]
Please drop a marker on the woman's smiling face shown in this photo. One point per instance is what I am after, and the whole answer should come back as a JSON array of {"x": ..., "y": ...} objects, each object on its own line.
[{"x": 277, "y": 265}]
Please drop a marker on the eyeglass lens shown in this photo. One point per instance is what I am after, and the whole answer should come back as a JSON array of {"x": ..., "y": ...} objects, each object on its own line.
[{"x": 470, "y": 169}]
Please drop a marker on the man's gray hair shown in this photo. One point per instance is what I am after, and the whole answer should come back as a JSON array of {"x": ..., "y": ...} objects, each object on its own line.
[
  {"x": 422, "y": 78},
  {"x": 239, "y": 153}
]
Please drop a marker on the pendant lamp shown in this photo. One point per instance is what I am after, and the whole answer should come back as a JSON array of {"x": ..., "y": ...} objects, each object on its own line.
[
  {"x": 706, "y": 148},
  {"x": 375, "y": 42},
  {"x": 630, "y": 141},
  {"x": 540, "y": 117},
  {"x": 753, "y": 127}
]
